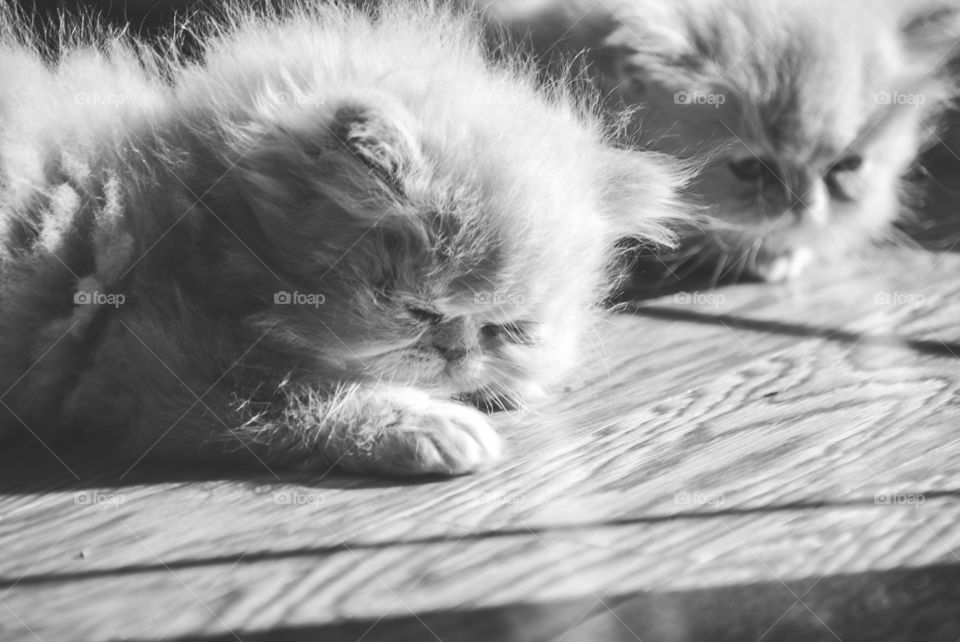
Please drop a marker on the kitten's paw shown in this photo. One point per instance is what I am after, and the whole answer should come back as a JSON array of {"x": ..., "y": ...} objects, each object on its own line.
[
  {"x": 438, "y": 437},
  {"x": 407, "y": 432}
]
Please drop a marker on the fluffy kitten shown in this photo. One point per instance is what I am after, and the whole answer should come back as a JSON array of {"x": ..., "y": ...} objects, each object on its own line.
[
  {"x": 807, "y": 113},
  {"x": 309, "y": 248}
]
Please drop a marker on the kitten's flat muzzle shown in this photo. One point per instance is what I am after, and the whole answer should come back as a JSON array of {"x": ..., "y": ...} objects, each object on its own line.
[{"x": 454, "y": 356}]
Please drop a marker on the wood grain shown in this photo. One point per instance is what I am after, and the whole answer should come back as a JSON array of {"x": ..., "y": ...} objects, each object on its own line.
[
  {"x": 710, "y": 441},
  {"x": 315, "y": 587}
]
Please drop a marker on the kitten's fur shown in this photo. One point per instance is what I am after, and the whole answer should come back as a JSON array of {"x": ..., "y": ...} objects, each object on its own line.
[
  {"x": 443, "y": 232},
  {"x": 803, "y": 160}
]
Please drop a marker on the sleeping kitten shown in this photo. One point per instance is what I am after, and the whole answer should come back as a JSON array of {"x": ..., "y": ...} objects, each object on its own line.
[
  {"x": 807, "y": 113},
  {"x": 311, "y": 248}
]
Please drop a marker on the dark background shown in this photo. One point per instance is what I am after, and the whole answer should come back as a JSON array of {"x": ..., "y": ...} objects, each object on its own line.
[
  {"x": 142, "y": 16},
  {"x": 935, "y": 218}
]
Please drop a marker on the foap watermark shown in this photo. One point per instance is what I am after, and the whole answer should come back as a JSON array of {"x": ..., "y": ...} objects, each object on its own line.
[
  {"x": 314, "y": 299},
  {"x": 900, "y": 499},
  {"x": 714, "y": 299},
  {"x": 297, "y": 97},
  {"x": 897, "y": 98},
  {"x": 899, "y": 298},
  {"x": 687, "y": 98},
  {"x": 96, "y": 98},
  {"x": 93, "y": 297},
  {"x": 698, "y": 498},
  {"x": 96, "y": 498},
  {"x": 498, "y": 298},
  {"x": 298, "y": 498}
]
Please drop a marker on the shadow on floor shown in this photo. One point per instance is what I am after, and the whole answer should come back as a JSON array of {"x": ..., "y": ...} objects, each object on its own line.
[
  {"x": 28, "y": 466},
  {"x": 909, "y": 605},
  {"x": 938, "y": 348}
]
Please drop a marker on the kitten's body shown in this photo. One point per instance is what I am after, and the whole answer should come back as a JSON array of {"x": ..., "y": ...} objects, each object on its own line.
[
  {"x": 808, "y": 113},
  {"x": 305, "y": 248}
]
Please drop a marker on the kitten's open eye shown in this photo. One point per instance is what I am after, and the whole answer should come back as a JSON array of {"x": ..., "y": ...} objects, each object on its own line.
[
  {"x": 848, "y": 164},
  {"x": 747, "y": 169},
  {"x": 424, "y": 316},
  {"x": 844, "y": 179},
  {"x": 516, "y": 332}
]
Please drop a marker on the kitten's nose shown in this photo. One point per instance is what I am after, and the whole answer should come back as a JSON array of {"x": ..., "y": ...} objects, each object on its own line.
[
  {"x": 454, "y": 339},
  {"x": 795, "y": 190},
  {"x": 454, "y": 355},
  {"x": 799, "y": 188},
  {"x": 808, "y": 199}
]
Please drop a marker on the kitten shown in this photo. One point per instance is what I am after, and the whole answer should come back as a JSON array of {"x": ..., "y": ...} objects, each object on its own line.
[
  {"x": 313, "y": 247},
  {"x": 806, "y": 113}
]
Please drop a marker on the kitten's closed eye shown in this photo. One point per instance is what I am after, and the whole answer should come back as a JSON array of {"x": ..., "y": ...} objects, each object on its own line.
[
  {"x": 424, "y": 316},
  {"x": 520, "y": 332},
  {"x": 515, "y": 332}
]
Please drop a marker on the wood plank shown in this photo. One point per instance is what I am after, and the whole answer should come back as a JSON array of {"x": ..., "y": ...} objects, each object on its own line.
[
  {"x": 315, "y": 587},
  {"x": 772, "y": 433},
  {"x": 797, "y": 403},
  {"x": 850, "y": 607}
]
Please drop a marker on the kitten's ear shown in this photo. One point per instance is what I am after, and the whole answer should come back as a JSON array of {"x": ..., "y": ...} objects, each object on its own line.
[
  {"x": 356, "y": 157},
  {"x": 931, "y": 28},
  {"x": 653, "y": 44},
  {"x": 379, "y": 141},
  {"x": 643, "y": 195},
  {"x": 306, "y": 180}
]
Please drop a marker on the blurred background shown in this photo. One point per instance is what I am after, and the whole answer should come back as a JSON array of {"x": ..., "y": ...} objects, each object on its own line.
[{"x": 142, "y": 16}]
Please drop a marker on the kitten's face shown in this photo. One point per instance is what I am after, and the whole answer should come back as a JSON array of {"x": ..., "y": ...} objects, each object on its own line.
[
  {"x": 806, "y": 117},
  {"x": 447, "y": 331},
  {"x": 788, "y": 187},
  {"x": 466, "y": 257}
]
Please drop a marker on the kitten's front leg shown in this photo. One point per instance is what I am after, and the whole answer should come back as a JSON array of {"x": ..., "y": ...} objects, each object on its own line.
[{"x": 401, "y": 431}]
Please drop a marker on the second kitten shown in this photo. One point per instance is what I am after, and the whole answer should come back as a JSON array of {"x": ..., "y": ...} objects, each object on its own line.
[{"x": 807, "y": 114}]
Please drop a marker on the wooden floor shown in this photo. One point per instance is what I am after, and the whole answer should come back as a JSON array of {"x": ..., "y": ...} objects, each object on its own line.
[{"x": 753, "y": 463}]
